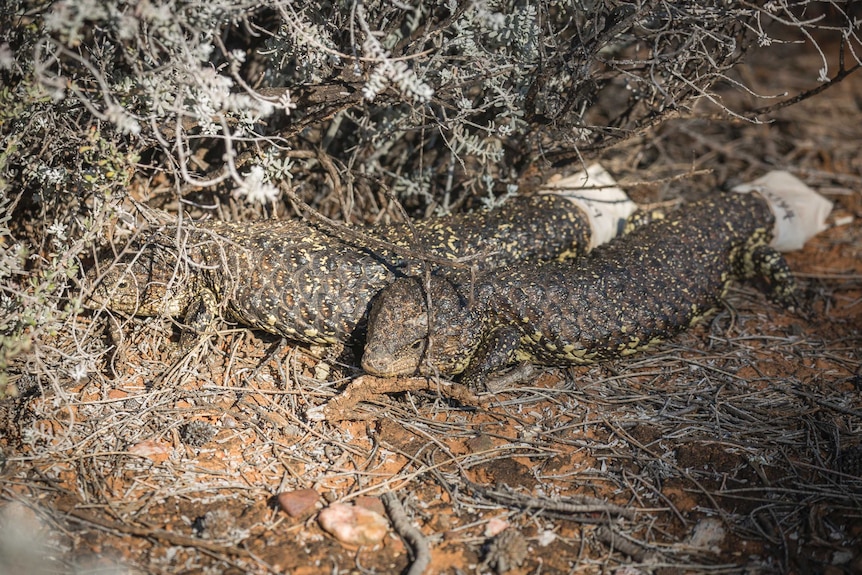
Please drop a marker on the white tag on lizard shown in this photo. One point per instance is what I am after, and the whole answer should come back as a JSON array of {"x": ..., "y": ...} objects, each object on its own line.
[
  {"x": 800, "y": 212},
  {"x": 596, "y": 193}
]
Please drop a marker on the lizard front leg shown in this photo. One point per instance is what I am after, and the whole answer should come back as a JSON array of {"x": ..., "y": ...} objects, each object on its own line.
[
  {"x": 773, "y": 276},
  {"x": 496, "y": 351},
  {"x": 199, "y": 319}
]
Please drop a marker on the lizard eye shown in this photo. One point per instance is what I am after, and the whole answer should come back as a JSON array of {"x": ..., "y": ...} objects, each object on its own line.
[{"x": 416, "y": 345}]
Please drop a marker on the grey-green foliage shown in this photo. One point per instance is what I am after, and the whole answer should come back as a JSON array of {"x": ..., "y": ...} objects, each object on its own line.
[
  {"x": 434, "y": 100},
  {"x": 462, "y": 81}
]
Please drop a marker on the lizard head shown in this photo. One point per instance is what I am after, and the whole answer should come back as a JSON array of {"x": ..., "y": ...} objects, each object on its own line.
[
  {"x": 402, "y": 341},
  {"x": 147, "y": 279}
]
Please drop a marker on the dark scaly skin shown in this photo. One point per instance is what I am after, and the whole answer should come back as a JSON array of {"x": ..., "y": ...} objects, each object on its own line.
[
  {"x": 623, "y": 297},
  {"x": 298, "y": 280}
]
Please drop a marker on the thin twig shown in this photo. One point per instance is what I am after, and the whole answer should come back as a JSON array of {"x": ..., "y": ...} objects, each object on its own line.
[
  {"x": 367, "y": 388},
  {"x": 411, "y": 534},
  {"x": 569, "y": 506},
  {"x": 151, "y": 533},
  {"x": 841, "y": 75}
]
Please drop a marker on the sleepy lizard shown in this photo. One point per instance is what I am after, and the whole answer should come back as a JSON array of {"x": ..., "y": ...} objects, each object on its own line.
[{"x": 623, "y": 297}]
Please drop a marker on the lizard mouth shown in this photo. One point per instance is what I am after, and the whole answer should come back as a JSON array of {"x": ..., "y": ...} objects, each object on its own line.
[{"x": 382, "y": 366}]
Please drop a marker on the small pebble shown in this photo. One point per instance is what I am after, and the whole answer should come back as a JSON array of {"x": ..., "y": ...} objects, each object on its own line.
[
  {"x": 353, "y": 525},
  {"x": 298, "y": 503},
  {"x": 480, "y": 443},
  {"x": 707, "y": 534},
  {"x": 370, "y": 503},
  {"x": 153, "y": 450},
  {"x": 546, "y": 538},
  {"x": 495, "y": 526}
]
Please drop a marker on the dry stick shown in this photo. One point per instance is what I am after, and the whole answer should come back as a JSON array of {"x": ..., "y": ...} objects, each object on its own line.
[
  {"x": 605, "y": 533},
  {"x": 626, "y": 437},
  {"x": 825, "y": 404},
  {"x": 519, "y": 374},
  {"x": 151, "y": 533},
  {"x": 842, "y": 73},
  {"x": 627, "y": 185},
  {"x": 350, "y": 234},
  {"x": 581, "y": 504},
  {"x": 355, "y": 235},
  {"x": 615, "y": 541},
  {"x": 366, "y": 388},
  {"x": 307, "y": 428},
  {"x": 410, "y": 533}
]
